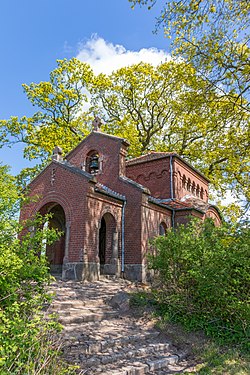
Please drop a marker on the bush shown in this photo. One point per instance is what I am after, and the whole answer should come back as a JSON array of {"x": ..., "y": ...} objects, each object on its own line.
[
  {"x": 205, "y": 280},
  {"x": 28, "y": 341}
]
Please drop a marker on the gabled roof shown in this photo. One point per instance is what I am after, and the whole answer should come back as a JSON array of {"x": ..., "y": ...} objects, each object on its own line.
[
  {"x": 72, "y": 168},
  {"x": 148, "y": 157},
  {"x": 175, "y": 204},
  {"x": 107, "y": 191},
  {"x": 135, "y": 184},
  {"x": 121, "y": 140},
  {"x": 66, "y": 165},
  {"x": 195, "y": 202}
]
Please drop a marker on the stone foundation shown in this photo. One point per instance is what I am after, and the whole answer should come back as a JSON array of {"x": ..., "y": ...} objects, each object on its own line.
[
  {"x": 55, "y": 269},
  {"x": 113, "y": 268},
  {"x": 72, "y": 271},
  {"x": 91, "y": 271},
  {"x": 80, "y": 271},
  {"x": 135, "y": 272}
]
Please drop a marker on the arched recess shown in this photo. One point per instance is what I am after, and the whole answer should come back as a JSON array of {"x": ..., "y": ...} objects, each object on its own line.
[
  {"x": 162, "y": 229},
  {"x": 214, "y": 214},
  {"x": 55, "y": 252},
  {"x": 198, "y": 191},
  {"x": 202, "y": 193},
  {"x": 184, "y": 182},
  {"x": 152, "y": 176},
  {"x": 108, "y": 245},
  {"x": 140, "y": 179}
]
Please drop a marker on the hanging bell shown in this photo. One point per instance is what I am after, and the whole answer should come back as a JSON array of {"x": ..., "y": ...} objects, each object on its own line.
[{"x": 94, "y": 164}]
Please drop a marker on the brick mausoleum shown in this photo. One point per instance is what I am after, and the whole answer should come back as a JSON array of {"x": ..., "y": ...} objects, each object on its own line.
[{"x": 109, "y": 208}]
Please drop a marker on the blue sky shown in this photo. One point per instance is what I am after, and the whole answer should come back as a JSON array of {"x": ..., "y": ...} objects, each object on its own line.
[{"x": 34, "y": 34}]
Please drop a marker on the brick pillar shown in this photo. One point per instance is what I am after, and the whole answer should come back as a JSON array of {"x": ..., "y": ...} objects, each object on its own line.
[
  {"x": 114, "y": 267},
  {"x": 67, "y": 237}
]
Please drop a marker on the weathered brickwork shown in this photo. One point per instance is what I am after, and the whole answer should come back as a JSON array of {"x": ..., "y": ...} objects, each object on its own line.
[{"x": 109, "y": 209}]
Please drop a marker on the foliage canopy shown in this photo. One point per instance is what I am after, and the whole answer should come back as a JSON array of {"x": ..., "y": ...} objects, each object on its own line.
[
  {"x": 213, "y": 35},
  {"x": 169, "y": 108},
  {"x": 163, "y": 108}
]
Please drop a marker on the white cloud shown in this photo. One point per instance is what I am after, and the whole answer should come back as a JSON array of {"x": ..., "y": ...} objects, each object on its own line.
[{"x": 104, "y": 57}]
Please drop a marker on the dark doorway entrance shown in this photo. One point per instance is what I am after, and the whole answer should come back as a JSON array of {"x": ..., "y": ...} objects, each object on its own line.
[
  {"x": 106, "y": 242},
  {"x": 163, "y": 229},
  {"x": 102, "y": 244},
  {"x": 55, "y": 252}
]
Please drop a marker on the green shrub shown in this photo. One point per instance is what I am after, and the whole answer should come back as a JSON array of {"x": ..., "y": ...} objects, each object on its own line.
[
  {"x": 28, "y": 342},
  {"x": 205, "y": 279}
]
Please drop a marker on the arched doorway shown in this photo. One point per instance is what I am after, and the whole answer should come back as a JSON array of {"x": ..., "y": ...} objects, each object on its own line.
[
  {"x": 55, "y": 252},
  {"x": 107, "y": 243}
]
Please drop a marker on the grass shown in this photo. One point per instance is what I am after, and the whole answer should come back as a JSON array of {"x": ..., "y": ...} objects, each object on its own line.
[
  {"x": 204, "y": 355},
  {"x": 217, "y": 360}
]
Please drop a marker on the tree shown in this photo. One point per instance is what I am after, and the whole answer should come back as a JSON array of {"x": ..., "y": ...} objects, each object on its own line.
[
  {"x": 213, "y": 35},
  {"x": 164, "y": 108},
  {"x": 60, "y": 119},
  {"x": 169, "y": 108}
]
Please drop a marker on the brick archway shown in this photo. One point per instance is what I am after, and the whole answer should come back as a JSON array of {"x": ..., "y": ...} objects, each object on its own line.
[{"x": 55, "y": 252}]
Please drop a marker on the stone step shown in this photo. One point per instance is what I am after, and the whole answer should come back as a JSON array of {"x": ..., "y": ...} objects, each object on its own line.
[
  {"x": 81, "y": 310},
  {"x": 83, "y": 297},
  {"x": 106, "y": 329},
  {"x": 113, "y": 355},
  {"x": 101, "y": 340},
  {"x": 88, "y": 317},
  {"x": 85, "y": 346},
  {"x": 62, "y": 304},
  {"x": 132, "y": 366}
]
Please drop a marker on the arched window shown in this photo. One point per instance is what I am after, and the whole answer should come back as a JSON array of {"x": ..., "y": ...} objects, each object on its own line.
[
  {"x": 202, "y": 193},
  {"x": 193, "y": 188},
  {"x": 162, "y": 229},
  {"x": 198, "y": 191},
  {"x": 206, "y": 195},
  {"x": 184, "y": 182},
  {"x": 189, "y": 185}
]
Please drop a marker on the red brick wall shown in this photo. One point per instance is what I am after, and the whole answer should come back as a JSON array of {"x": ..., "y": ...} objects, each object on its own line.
[
  {"x": 99, "y": 205},
  {"x": 112, "y": 154},
  {"x": 213, "y": 214},
  {"x": 82, "y": 212},
  {"x": 132, "y": 220},
  {"x": 152, "y": 217},
  {"x": 154, "y": 174},
  {"x": 183, "y": 217},
  {"x": 57, "y": 185},
  {"x": 188, "y": 182}
]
